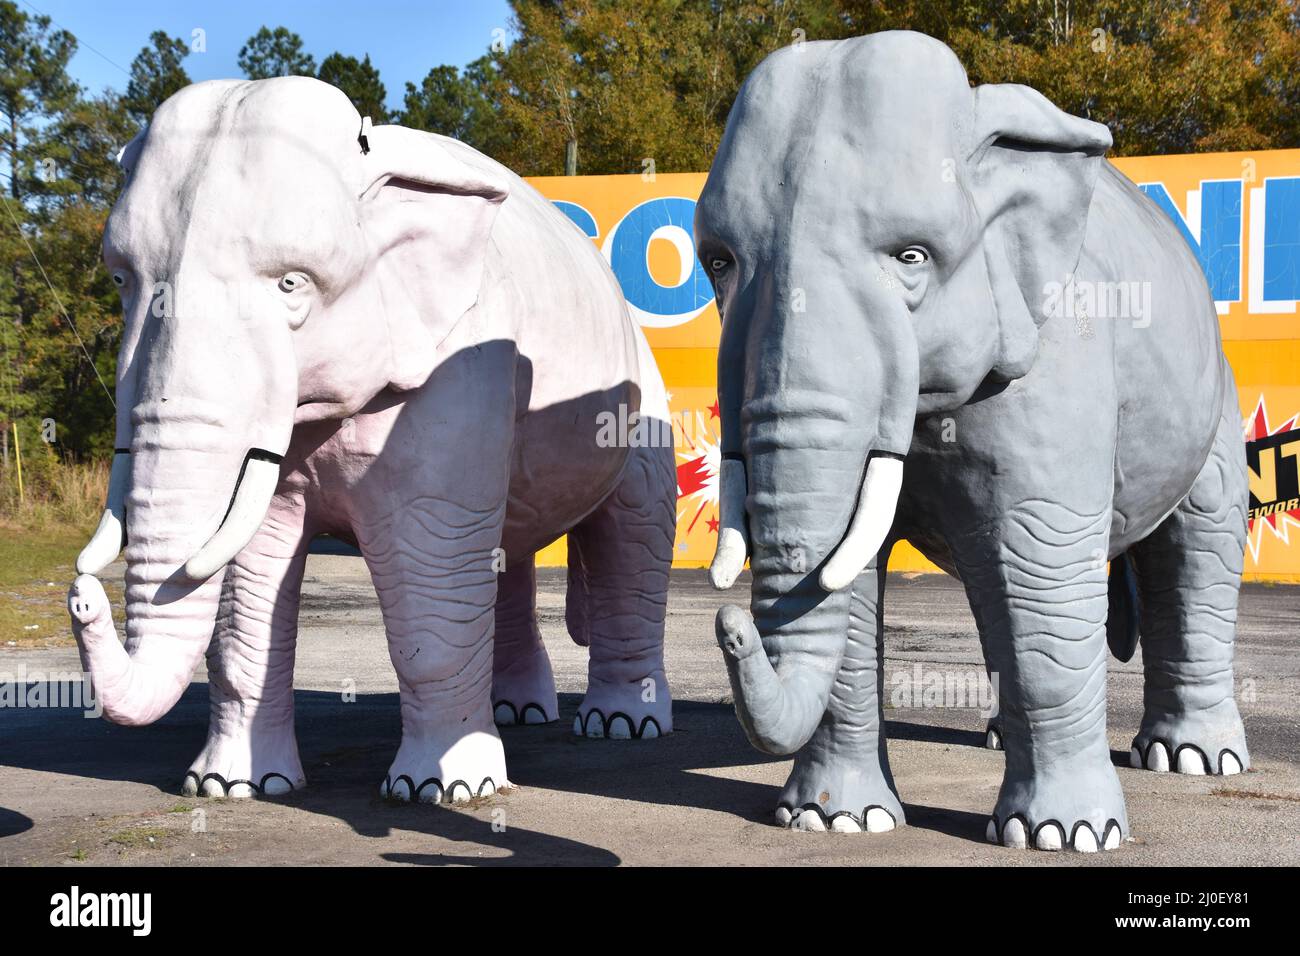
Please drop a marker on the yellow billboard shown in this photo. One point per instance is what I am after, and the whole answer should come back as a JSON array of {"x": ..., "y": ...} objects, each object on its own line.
[{"x": 1240, "y": 212}]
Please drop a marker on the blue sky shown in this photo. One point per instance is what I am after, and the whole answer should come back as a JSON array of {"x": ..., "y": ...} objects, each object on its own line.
[{"x": 405, "y": 38}]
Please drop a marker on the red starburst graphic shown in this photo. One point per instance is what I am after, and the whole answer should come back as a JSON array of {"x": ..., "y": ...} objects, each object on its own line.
[
  {"x": 697, "y": 468},
  {"x": 691, "y": 476}
]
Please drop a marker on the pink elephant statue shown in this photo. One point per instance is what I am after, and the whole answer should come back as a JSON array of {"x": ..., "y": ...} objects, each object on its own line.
[{"x": 381, "y": 335}]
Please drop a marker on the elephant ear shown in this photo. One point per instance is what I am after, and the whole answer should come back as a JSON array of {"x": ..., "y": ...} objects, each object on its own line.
[
  {"x": 129, "y": 154},
  {"x": 1033, "y": 172},
  {"x": 428, "y": 215}
]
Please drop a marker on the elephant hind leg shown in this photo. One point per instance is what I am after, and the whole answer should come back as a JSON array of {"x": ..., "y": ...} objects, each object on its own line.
[
  {"x": 1038, "y": 593},
  {"x": 1188, "y": 577},
  {"x": 523, "y": 684},
  {"x": 619, "y": 559}
]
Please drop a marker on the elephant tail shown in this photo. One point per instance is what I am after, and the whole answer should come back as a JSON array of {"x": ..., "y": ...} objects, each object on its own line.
[
  {"x": 577, "y": 617},
  {"x": 1122, "y": 621}
]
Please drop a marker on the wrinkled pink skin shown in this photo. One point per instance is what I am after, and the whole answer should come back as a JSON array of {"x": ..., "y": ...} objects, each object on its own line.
[{"x": 453, "y": 348}]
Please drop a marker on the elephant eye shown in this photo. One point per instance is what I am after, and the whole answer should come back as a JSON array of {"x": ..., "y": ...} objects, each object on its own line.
[
  {"x": 293, "y": 281},
  {"x": 718, "y": 264},
  {"x": 913, "y": 256},
  {"x": 298, "y": 305}
]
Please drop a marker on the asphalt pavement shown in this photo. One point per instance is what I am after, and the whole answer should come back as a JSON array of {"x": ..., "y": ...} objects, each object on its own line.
[{"x": 76, "y": 790}]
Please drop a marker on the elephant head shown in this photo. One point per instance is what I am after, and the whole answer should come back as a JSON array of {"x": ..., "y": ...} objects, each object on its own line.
[
  {"x": 278, "y": 263},
  {"x": 879, "y": 235}
]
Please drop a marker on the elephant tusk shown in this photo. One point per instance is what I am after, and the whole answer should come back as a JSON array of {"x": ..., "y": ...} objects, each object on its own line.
[
  {"x": 733, "y": 539},
  {"x": 253, "y": 492},
  {"x": 110, "y": 537},
  {"x": 871, "y": 522}
]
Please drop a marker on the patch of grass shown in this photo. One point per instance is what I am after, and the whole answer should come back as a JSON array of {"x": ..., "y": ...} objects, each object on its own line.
[
  {"x": 36, "y": 567},
  {"x": 478, "y": 803},
  {"x": 79, "y": 854},
  {"x": 139, "y": 837},
  {"x": 31, "y": 554},
  {"x": 181, "y": 808},
  {"x": 40, "y": 538}
]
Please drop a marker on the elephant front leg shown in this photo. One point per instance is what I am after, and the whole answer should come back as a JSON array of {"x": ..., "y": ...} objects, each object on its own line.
[
  {"x": 1037, "y": 584},
  {"x": 251, "y": 748},
  {"x": 841, "y": 779},
  {"x": 432, "y": 565}
]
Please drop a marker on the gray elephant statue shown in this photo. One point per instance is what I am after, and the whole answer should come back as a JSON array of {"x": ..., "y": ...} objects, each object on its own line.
[
  {"x": 382, "y": 335},
  {"x": 947, "y": 319}
]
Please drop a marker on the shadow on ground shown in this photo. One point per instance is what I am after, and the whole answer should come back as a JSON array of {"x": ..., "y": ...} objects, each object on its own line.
[
  {"x": 12, "y": 822},
  {"x": 346, "y": 748}
]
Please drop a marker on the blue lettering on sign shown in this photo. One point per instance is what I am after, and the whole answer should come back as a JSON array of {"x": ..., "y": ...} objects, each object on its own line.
[
  {"x": 1282, "y": 239},
  {"x": 1218, "y": 248},
  {"x": 627, "y": 247},
  {"x": 579, "y": 217}
]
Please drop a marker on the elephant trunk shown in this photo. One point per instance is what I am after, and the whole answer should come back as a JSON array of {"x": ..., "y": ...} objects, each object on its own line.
[
  {"x": 804, "y": 464},
  {"x": 825, "y": 420},
  {"x": 186, "y": 480},
  {"x": 780, "y": 704}
]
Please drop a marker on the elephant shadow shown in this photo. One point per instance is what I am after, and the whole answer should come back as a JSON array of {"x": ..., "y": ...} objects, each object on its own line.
[
  {"x": 12, "y": 822},
  {"x": 346, "y": 747}
]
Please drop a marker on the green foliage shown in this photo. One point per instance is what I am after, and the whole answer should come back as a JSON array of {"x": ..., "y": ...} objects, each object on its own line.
[
  {"x": 627, "y": 80},
  {"x": 156, "y": 73},
  {"x": 60, "y": 148},
  {"x": 1167, "y": 76},
  {"x": 448, "y": 102},
  {"x": 84, "y": 140},
  {"x": 631, "y": 82},
  {"x": 360, "y": 81},
  {"x": 275, "y": 53}
]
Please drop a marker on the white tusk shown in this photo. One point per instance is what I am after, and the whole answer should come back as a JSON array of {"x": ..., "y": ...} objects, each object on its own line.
[
  {"x": 733, "y": 543},
  {"x": 106, "y": 543},
  {"x": 871, "y": 523},
  {"x": 252, "y": 498}
]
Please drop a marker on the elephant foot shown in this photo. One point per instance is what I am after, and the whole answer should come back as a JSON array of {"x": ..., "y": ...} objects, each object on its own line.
[
  {"x": 426, "y": 771},
  {"x": 508, "y": 713},
  {"x": 1080, "y": 809},
  {"x": 636, "y": 709},
  {"x": 523, "y": 691},
  {"x": 232, "y": 765},
  {"x": 1204, "y": 742},
  {"x": 840, "y": 795}
]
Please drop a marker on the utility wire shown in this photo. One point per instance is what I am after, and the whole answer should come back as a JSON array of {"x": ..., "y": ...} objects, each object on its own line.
[
  {"x": 80, "y": 41},
  {"x": 22, "y": 235},
  {"x": 67, "y": 318}
]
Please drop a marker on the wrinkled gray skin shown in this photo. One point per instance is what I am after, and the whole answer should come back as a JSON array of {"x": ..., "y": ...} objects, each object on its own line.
[{"x": 1036, "y": 447}]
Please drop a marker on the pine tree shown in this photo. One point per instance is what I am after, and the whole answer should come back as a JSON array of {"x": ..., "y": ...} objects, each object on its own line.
[
  {"x": 156, "y": 73},
  {"x": 275, "y": 52},
  {"x": 360, "y": 81}
]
